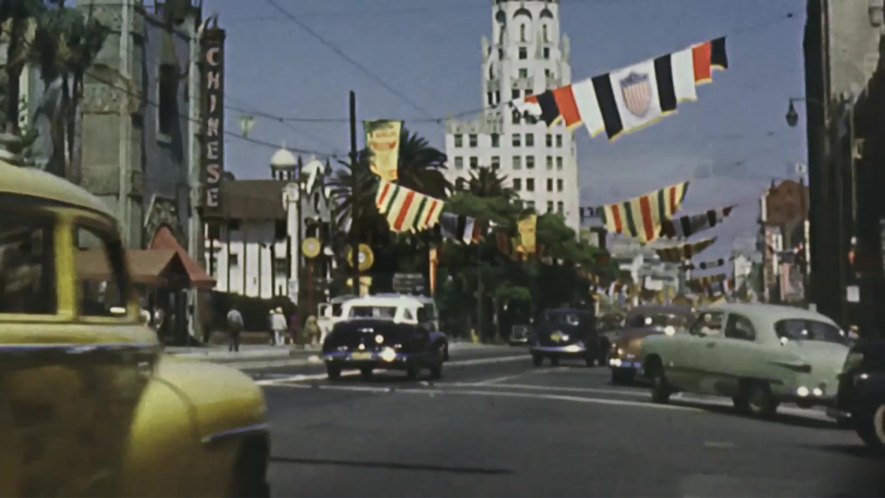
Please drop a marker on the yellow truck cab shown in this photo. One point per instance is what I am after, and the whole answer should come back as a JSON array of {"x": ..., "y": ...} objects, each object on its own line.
[{"x": 89, "y": 405}]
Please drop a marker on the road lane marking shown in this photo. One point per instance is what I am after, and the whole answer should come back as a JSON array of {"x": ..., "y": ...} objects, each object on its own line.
[
  {"x": 530, "y": 387},
  {"x": 498, "y": 380},
  {"x": 500, "y": 394},
  {"x": 456, "y": 363}
]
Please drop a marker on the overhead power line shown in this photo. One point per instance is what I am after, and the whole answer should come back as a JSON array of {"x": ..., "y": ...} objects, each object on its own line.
[{"x": 348, "y": 58}]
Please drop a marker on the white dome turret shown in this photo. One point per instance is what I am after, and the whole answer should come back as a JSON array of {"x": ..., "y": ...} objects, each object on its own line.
[{"x": 283, "y": 164}]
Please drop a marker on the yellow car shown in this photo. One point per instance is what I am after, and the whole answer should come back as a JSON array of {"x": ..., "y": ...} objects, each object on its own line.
[{"x": 89, "y": 405}]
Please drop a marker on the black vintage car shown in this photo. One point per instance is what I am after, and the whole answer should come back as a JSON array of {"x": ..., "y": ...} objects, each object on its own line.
[
  {"x": 566, "y": 333},
  {"x": 388, "y": 333},
  {"x": 861, "y": 396}
]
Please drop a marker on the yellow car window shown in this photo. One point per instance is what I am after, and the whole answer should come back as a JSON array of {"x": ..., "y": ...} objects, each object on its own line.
[
  {"x": 27, "y": 276},
  {"x": 101, "y": 279}
]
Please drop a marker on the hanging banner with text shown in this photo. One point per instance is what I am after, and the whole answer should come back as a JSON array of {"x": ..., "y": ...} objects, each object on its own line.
[
  {"x": 382, "y": 138},
  {"x": 213, "y": 118}
]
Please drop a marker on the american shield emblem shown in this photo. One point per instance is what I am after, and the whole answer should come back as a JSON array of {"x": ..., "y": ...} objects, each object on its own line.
[{"x": 636, "y": 89}]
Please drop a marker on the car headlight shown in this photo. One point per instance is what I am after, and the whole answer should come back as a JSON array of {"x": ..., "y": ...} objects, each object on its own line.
[
  {"x": 565, "y": 337},
  {"x": 620, "y": 352},
  {"x": 379, "y": 339},
  {"x": 388, "y": 354}
]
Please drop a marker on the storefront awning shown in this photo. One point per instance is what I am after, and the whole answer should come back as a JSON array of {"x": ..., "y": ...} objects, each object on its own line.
[{"x": 164, "y": 239}]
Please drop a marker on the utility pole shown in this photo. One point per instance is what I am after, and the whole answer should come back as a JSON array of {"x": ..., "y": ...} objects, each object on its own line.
[
  {"x": 479, "y": 290},
  {"x": 354, "y": 197}
]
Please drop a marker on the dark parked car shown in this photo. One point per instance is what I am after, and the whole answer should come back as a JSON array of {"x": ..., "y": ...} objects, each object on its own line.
[
  {"x": 641, "y": 322},
  {"x": 861, "y": 396},
  {"x": 566, "y": 333},
  {"x": 389, "y": 333}
]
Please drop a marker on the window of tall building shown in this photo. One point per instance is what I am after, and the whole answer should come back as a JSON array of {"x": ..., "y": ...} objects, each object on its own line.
[
  {"x": 546, "y": 33},
  {"x": 497, "y": 97},
  {"x": 523, "y": 73},
  {"x": 530, "y": 184},
  {"x": 496, "y": 162},
  {"x": 549, "y": 140},
  {"x": 530, "y": 162},
  {"x": 515, "y": 93},
  {"x": 491, "y": 98},
  {"x": 459, "y": 140},
  {"x": 559, "y": 162},
  {"x": 517, "y": 140},
  {"x": 547, "y": 73},
  {"x": 517, "y": 184},
  {"x": 550, "y": 185},
  {"x": 559, "y": 185},
  {"x": 472, "y": 139},
  {"x": 559, "y": 140},
  {"x": 517, "y": 162},
  {"x": 549, "y": 206},
  {"x": 523, "y": 53},
  {"x": 560, "y": 207},
  {"x": 517, "y": 117},
  {"x": 496, "y": 140},
  {"x": 500, "y": 54},
  {"x": 459, "y": 163},
  {"x": 521, "y": 33},
  {"x": 530, "y": 204},
  {"x": 550, "y": 162},
  {"x": 474, "y": 162},
  {"x": 167, "y": 109},
  {"x": 529, "y": 139},
  {"x": 546, "y": 51}
]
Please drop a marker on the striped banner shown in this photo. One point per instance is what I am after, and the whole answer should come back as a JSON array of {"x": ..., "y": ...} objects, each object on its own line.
[
  {"x": 686, "y": 226},
  {"x": 711, "y": 285},
  {"x": 642, "y": 217},
  {"x": 706, "y": 265},
  {"x": 407, "y": 210},
  {"x": 683, "y": 252}
]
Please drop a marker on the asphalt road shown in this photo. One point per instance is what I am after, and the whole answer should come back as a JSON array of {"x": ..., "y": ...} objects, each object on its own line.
[{"x": 496, "y": 426}]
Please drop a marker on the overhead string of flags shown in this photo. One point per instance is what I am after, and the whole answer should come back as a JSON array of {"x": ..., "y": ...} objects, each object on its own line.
[{"x": 631, "y": 98}]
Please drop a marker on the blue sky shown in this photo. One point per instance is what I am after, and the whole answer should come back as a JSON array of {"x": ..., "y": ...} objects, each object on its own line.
[{"x": 429, "y": 51}]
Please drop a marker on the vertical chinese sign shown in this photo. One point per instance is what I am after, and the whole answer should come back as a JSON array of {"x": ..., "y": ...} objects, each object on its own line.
[{"x": 213, "y": 119}]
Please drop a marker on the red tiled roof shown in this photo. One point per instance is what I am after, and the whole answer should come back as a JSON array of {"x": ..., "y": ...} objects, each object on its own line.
[{"x": 163, "y": 239}]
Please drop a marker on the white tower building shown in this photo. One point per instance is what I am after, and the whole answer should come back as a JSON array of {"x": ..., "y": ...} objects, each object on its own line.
[{"x": 527, "y": 55}]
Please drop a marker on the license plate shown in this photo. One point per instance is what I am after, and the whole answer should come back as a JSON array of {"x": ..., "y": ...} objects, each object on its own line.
[{"x": 361, "y": 356}]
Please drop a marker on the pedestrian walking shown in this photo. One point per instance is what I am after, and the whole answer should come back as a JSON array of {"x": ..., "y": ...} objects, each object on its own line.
[
  {"x": 234, "y": 327},
  {"x": 279, "y": 326},
  {"x": 271, "y": 338},
  {"x": 312, "y": 330}
]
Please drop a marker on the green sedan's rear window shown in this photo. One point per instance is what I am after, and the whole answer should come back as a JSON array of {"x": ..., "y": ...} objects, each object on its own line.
[{"x": 809, "y": 330}]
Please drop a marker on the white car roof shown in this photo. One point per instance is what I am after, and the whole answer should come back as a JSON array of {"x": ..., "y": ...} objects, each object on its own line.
[
  {"x": 770, "y": 312},
  {"x": 386, "y": 300}
]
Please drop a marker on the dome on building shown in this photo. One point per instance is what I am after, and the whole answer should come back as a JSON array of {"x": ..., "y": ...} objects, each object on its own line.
[{"x": 283, "y": 159}]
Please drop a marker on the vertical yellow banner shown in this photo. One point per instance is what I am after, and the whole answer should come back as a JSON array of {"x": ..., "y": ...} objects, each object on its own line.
[
  {"x": 434, "y": 265},
  {"x": 528, "y": 228},
  {"x": 382, "y": 139}
]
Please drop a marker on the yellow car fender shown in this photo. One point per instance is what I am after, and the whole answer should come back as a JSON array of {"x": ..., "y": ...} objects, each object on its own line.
[{"x": 190, "y": 425}]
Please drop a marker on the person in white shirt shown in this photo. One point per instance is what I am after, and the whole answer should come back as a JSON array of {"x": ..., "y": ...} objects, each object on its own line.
[{"x": 279, "y": 326}]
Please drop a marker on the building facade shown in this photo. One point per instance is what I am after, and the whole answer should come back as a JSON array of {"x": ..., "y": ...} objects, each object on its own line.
[
  {"x": 254, "y": 247},
  {"x": 526, "y": 55},
  {"x": 845, "y": 92}
]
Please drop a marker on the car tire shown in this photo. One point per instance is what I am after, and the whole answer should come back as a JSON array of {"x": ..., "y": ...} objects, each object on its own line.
[
  {"x": 537, "y": 360},
  {"x": 249, "y": 475},
  {"x": 620, "y": 376},
  {"x": 436, "y": 371},
  {"x": 660, "y": 388},
  {"x": 869, "y": 423},
  {"x": 759, "y": 401},
  {"x": 413, "y": 372},
  {"x": 590, "y": 361},
  {"x": 333, "y": 372},
  {"x": 366, "y": 373}
]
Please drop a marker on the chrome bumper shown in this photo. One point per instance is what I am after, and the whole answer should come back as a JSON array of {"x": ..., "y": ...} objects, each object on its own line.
[{"x": 570, "y": 349}]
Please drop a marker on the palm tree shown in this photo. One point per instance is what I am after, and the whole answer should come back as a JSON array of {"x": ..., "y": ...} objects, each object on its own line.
[
  {"x": 66, "y": 43},
  {"x": 486, "y": 183},
  {"x": 421, "y": 166},
  {"x": 19, "y": 15}
]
